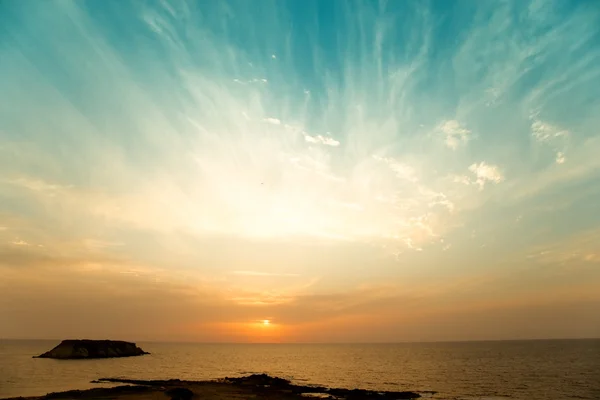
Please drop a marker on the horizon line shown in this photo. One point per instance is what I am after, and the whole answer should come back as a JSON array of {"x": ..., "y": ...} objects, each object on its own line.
[{"x": 320, "y": 343}]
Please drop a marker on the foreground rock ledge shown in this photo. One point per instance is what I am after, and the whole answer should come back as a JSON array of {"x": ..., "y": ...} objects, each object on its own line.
[
  {"x": 82, "y": 349},
  {"x": 262, "y": 385},
  {"x": 245, "y": 388}
]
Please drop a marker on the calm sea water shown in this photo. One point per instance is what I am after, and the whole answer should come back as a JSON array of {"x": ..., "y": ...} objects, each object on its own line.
[{"x": 528, "y": 370}]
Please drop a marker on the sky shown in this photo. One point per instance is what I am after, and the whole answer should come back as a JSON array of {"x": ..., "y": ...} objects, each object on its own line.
[{"x": 348, "y": 171}]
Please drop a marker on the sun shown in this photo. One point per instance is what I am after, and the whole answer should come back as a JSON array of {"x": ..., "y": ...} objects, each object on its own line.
[{"x": 266, "y": 322}]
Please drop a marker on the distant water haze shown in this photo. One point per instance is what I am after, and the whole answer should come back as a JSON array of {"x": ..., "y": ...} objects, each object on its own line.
[{"x": 519, "y": 370}]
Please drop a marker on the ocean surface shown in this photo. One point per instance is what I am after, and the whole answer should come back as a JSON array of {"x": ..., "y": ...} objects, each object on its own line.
[{"x": 528, "y": 370}]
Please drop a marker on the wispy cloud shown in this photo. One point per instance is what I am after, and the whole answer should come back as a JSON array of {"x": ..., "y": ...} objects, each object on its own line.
[
  {"x": 465, "y": 180},
  {"x": 571, "y": 252},
  {"x": 402, "y": 170},
  {"x": 262, "y": 273},
  {"x": 486, "y": 173},
  {"x": 19, "y": 242},
  {"x": 456, "y": 134},
  {"x": 545, "y": 132},
  {"x": 328, "y": 141},
  {"x": 254, "y": 80},
  {"x": 273, "y": 121},
  {"x": 555, "y": 138}
]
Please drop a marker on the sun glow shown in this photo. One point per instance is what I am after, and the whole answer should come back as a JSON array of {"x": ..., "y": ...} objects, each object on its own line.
[{"x": 266, "y": 322}]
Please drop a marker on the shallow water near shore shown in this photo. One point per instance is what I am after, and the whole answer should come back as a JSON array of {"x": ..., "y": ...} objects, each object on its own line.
[{"x": 528, "y": 370}]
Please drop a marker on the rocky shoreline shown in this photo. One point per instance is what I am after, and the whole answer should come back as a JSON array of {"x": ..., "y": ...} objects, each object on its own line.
[{"x": 248, "y": 387}]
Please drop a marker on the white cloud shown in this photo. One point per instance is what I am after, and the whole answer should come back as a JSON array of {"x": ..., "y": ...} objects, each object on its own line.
[
  {"x": 19, "y": 242},
  {"x": 402, "y": 170},
  {"x": 455, "y": 134},
  {"x": 483, "y": 173},
  {"x": 552, "y": 136},
  {"x": 486, "y": 173},
  {"x": 423, "y": 223},
  {"x": 545, "y": 132},
  {"x": 442, "y": 200},
  {"x": 273, "y": 121},
  {"x": 321, "y": 139},
  {"x": 254, "y": 80},
  {"x": 410, "y": 244}
]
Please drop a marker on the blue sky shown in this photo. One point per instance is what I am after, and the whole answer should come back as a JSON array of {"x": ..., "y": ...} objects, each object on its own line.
[{"x": 381, "y": 171}]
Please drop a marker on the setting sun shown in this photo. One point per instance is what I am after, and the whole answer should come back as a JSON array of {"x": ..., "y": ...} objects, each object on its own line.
[{"x": 266, "y": 322}]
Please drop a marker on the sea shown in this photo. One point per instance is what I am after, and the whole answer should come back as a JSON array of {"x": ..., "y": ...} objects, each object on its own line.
[{"x": 498, "y": 370}]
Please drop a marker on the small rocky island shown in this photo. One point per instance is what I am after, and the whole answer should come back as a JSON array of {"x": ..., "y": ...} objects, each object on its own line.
[{"x": 83, "y": 349}]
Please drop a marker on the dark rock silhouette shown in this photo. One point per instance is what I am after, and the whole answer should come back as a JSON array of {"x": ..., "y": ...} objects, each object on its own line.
[
  {"x": 261, "y": 380},
  {"x": 263, "y": 385},
  {"x": 266, "y": 383},
  {"x": 82, "y": 349},
  {"x": 180, "y": 393}
]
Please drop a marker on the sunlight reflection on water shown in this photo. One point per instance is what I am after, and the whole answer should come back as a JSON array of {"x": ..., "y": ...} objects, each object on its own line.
[{"x": 534, "y": 370}]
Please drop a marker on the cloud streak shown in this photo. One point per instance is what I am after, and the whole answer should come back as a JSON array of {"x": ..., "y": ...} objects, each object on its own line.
[
  {"x": 456, "y": 135},
  {"x": 321, "y": 139}
]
